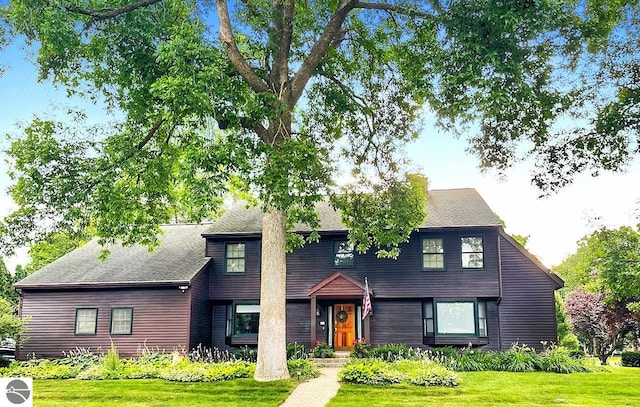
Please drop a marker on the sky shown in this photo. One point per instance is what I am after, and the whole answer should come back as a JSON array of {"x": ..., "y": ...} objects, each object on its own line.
[{"x": 554, "y": 223}]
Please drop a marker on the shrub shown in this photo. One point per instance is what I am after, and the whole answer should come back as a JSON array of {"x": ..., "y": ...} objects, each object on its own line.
[
  {"x": 391, "y": 352},
  {"x": 379, "y": 372},
  {"x": 185, "y": 371},
  {"x": 4, "y": 362},
  {"x": 322, "y": 350},
  {"x": 79, "y": 357},
  {"x": 246, "y": 354},
  {"x": 472, "y": 360},
  {"x": 368, "y": 371},
  {"x": 520, "y": 358},
  {"x": 630, "y": 359},
  {"x": 558, "y": 359},
  {"x": 361, "y": 349},
  {"x": 210, "y": 355},
  {"x": 296, "y": 350},
  {"x": 302, "y": 369}
]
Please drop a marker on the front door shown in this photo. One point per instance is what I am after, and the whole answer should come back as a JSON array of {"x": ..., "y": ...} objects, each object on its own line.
[{"x": 345, "y": 327}]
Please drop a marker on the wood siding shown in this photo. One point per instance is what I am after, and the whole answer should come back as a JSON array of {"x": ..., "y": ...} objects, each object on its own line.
[
  {"x": 299, "y": 323},
  {"x": 159, "y": 320},
  {"x": 388, "y": 278},
  {"x": 397, "y": 322},
  {"x": 200, "y": 321},
  {"x": 527, "y": 310}
]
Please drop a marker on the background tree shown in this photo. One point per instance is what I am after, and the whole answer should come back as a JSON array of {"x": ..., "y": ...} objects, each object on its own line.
[
  {"x": 607, "y": 261},
  {"x": 11, "y": 326},
  {"x": 604, "y": 326},
  {"x": 291, "y": 96}
]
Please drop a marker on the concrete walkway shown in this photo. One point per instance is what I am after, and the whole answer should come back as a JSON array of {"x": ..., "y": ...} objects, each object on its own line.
[{"x": 316, "y": 392}]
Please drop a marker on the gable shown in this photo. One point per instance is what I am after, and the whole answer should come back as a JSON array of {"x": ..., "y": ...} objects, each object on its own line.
[
  {"x": 556, "y": 280},
  {"x": 338, "y": 285}
]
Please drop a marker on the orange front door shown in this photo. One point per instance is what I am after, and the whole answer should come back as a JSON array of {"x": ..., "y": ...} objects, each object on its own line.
[{"x": 345, "y": 327}]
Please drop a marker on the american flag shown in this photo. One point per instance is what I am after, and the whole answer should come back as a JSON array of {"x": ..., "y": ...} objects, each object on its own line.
[{"x": 366, "y": 300}]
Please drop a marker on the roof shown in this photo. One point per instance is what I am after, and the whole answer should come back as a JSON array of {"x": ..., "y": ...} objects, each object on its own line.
[
  {"x": 178, "y": 259},
  {"x": 445, "y": 208}
]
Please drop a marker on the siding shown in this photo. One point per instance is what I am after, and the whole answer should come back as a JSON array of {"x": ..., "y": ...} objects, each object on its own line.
[
  {"x": 159, "y": 320},
  {"x": 527, "y": 310},
  {"x": 388, "y": 278},
  {"x": 200, "y": 321},
  {"x": 397, "y": 322},
  {"x": 230, "y": 286},
  {"x": 299, "y": 323}
]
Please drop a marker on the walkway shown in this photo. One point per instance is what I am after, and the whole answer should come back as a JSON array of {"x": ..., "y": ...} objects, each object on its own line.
[{"x": 316, "y": 392}]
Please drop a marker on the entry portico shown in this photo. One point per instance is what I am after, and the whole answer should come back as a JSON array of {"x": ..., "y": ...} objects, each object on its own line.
[{"x": 336, "y": 311}]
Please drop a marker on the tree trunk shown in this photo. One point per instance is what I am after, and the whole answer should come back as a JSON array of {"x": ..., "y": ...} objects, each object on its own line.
[{"x": 272, "y": 332}]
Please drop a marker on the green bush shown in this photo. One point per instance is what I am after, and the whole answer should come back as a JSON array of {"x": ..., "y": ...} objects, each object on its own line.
[
  {"x": 302, "y": 369},
  {"x": 558, "y": 359},
  {"x": 379, "y": 372},
  {"x": 361, "y": 349},
  {"x": 391, "y": 352},
  {"x": 472, "y": 360},
  {"x": 246, "y": 354},
  {"x": 296, "y": 350},
  {"x": 630, "y": 359},
  {"x": 82, "y": 358},
  {"x": 322, "y": 350},
  {"x": 520, "y": 358},
  {"x": 185, "y": 371},
  {"x": 210, "y": 355}
]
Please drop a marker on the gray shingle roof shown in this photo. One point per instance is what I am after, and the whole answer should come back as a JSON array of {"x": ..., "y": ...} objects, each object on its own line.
[
  {"x": 180, "y": 255},
  {"x": 179, "y": 258},
  {"x": 445, "y": 208}
]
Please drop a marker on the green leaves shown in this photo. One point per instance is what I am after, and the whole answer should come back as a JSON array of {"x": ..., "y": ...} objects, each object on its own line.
[{"x": 385, "y": 216}]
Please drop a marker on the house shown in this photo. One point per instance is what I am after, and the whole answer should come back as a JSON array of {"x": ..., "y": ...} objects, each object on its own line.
[{"x": 459, "y": 280}]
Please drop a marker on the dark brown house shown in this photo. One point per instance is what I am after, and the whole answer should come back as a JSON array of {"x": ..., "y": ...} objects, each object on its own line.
[{"x": 460, "y": 279}]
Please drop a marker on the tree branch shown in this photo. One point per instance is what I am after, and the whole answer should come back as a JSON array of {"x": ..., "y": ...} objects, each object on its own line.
[
  {"x": 152, "y": 131},
  {"x": 319, "y": 49},
  {"x": 230, "y": 47},
  {"x": 284, "y": 32},
  {"x": 392, "y": 8},
  {"x": 105, "y": 14}
]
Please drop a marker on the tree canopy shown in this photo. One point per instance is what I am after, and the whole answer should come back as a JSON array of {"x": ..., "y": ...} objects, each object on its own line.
[
  {"x": 288, "y": 97},
  {"x": 608, "y": 262}
]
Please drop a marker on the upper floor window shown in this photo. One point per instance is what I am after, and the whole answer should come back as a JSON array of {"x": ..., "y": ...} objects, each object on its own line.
[
  {"x": 121, "y": 321},
  {"x": 235, "y": 258},
  {"x": 472, "y": 252},
  {"x": 86, "y": 321},
  {"x": 343, "y": 254},
  {"x": 432, "y": 254}
]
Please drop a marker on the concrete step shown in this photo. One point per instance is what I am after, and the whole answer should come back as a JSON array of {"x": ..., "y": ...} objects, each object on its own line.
[{"x": 331, "y": 362}]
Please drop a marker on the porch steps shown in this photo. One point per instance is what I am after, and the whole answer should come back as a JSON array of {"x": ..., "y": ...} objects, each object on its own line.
[{"x": 338, "y": 360}]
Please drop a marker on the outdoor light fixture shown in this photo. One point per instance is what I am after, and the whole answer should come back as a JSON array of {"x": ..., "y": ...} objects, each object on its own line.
[
  {"x": 317, "y": 311},
  {"x": 183, "y": 287}
]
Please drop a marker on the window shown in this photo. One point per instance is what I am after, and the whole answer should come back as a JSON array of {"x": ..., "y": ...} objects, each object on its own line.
[
  {"x": 86, "y": 321},
  {"x": 344, "y": 255},
  {"x": 243, "y": 320},
  {"x": 121, "y": 321},
  {"x": 472, "y": 252},
  {"x": 432, "y": 254},
  {"x": 235, "y": 258},
  {"x": 455, "y": 318}
]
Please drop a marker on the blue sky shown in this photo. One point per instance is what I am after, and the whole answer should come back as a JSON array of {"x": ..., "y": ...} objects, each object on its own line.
[{"x": 554, "y": 223}]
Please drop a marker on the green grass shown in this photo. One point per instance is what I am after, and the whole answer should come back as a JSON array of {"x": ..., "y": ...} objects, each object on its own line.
[
  {"x": 618, "y": 386},
  {"x": 155, "y": 392}
]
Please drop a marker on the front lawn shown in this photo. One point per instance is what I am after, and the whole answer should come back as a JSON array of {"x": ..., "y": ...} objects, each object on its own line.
[
  {"x": 615, "y": 387},
  {"x": 155, "y": 392}
]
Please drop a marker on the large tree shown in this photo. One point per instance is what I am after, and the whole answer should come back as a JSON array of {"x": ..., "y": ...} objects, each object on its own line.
[
  {"x": 607, "y": 261},
  {"x": 290, "y": 96},
  {"x": 604, "y": 325}
]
